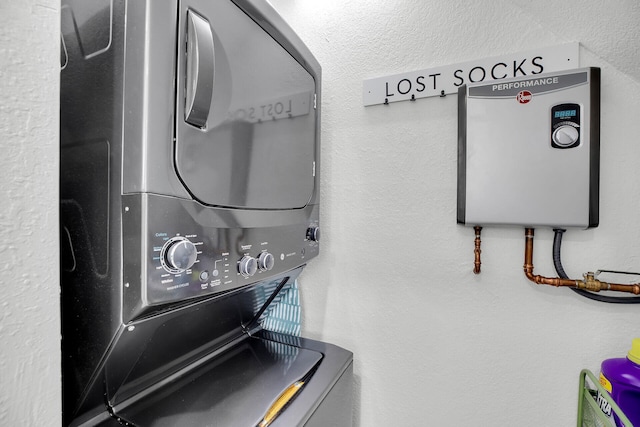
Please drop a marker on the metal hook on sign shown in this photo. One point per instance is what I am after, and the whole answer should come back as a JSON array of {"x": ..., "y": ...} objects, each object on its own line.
[
  {"x": 386, "y": 101},
  {"x": 413, "y": 97},
  {"x": 442, "y": 94}
]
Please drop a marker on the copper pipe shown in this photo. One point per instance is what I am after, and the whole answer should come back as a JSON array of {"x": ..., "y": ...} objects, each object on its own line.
[
  {"x": 477, "y": 263},
  {"x": 589, "y": 282},
  {"x": 528, "y": 265}
]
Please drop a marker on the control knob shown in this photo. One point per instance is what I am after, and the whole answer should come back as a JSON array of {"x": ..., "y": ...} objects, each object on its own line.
[
  {"x": 265, "y": 261},
  {"x": 313, "y": 234},
  {"x": 179, "y": 254},
  {"x": 247, "y": 266},
  {"x": 565, "y": 136}
]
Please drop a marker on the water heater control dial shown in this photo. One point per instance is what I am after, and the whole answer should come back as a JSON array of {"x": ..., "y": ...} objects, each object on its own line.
[
  {"x": 247, "y": 266},
  {"x": 178, "y": 255},
  {"x": 566, "y": 135}
]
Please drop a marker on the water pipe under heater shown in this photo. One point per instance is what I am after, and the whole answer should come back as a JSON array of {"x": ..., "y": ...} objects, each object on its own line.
[
  {"x": 477, "y": 251},
  {"x": 589, "y": 282}
]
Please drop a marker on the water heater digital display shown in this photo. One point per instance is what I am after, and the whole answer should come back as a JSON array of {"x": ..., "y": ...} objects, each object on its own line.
[
  {"x": 564, "y": 114},
  {"x": 528, "y": 151}
]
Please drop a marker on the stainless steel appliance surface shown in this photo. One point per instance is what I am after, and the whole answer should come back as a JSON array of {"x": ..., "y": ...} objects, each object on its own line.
[
  {"x": 529, "y": 151},
  {"x": 190, "y": 141}
]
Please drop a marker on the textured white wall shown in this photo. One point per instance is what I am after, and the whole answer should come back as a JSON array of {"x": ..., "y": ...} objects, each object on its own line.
[
  {"x": 29, "y": 305},
  {"x": 434, "y": 344}
]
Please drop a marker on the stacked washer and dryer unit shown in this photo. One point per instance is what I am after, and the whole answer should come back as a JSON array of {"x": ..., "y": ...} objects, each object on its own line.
[{"x": 189, "y": 188}]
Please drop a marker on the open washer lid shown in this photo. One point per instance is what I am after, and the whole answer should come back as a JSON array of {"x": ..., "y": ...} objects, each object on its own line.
[{"x": 235, "y": 388}]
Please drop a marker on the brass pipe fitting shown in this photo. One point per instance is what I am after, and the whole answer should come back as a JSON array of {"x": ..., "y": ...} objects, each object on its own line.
[
  {"x": 589, "y": 283},
  {"x": 592, "y": 284}
]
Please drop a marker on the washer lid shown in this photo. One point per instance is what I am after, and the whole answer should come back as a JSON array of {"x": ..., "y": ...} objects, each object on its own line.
[{"x": 236, "y": 388}]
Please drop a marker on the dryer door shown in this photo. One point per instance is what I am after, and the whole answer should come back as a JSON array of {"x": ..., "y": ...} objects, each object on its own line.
[{"x": 245, "y": 121}]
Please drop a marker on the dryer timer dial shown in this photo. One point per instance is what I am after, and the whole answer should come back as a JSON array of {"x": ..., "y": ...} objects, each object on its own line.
[{"x": 313, "y": 233}]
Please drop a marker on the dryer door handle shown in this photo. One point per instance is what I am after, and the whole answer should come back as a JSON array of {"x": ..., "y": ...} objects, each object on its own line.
[{"x": 200, "y": 70}]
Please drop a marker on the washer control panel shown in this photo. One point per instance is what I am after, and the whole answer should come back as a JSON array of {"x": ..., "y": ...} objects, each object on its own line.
[
  {"x": 218, "y": 251},
  {"x": 187, "y": 265}
]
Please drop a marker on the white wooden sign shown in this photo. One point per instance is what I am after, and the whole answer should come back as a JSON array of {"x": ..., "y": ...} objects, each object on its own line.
[{"x": 447, "y": 79}]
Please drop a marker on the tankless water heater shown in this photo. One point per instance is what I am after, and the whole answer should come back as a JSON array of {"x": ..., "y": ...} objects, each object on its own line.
[{"x": 528, "y": 150}]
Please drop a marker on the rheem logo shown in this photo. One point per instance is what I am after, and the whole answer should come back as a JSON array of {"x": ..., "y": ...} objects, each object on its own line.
[{"x": 524, "y": 96}]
